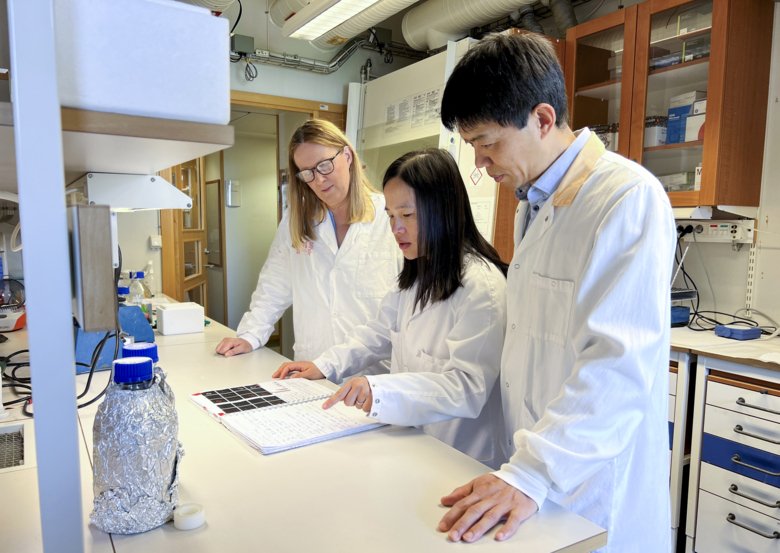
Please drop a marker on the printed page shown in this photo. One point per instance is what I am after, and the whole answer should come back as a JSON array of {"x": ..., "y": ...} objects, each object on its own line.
[
  {"x": 297, "y": 425},
  {"x": 265, "y": 395}
]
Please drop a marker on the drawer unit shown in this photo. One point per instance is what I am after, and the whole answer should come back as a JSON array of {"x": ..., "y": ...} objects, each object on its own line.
[
  {"x": 740, "y": 489},
  {"x": 757, "y": 402},
  {"x": 725, "y": 526},
  {"x": 736, "y": 486}
]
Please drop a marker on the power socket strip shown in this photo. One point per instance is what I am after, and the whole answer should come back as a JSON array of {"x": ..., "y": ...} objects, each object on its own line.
[{"x": 733, "y": 231}]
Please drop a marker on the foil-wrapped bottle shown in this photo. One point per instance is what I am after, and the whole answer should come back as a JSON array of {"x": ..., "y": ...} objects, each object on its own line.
[{"x": 135, "y": 450}]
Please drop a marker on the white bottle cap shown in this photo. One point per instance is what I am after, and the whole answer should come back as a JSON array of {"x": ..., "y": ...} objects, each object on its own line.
[{"x": 189, "y": 516}]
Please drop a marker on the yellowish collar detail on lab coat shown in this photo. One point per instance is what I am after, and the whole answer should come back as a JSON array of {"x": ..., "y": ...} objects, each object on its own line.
[{"x": 580, "y": 170}]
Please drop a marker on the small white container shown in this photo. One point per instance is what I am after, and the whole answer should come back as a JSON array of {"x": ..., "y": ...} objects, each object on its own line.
[{"x": 179, "y": 318}]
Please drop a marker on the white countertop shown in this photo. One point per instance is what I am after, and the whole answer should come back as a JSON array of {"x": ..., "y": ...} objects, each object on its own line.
[{"x": 376, "y": 490}]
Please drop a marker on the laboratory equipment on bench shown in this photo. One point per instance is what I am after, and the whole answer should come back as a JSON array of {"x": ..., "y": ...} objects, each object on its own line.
[
  {"x": 12, "y": 312},
  {"x": 136, "y": 451}
]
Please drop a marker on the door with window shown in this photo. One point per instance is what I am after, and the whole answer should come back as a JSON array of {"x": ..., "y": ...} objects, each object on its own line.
[{"x": 185, "y": 245}]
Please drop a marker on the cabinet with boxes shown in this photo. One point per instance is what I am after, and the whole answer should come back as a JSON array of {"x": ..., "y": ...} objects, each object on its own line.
[
  {"x": 704, "y": 66},
  {"x": 689, "y": 100}
]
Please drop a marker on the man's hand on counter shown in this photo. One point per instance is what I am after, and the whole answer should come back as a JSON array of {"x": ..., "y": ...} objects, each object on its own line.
[{"x": 479, "y": 505}]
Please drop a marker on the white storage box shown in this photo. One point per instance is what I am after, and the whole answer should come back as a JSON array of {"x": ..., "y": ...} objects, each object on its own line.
[
  {"x": 687, "y": 99},
  {"x": 694, "y": 127},
  {"x": 699, "y": 106},
  {"x": 179, "y": 318},
  {"x": 154, "y": 58}
]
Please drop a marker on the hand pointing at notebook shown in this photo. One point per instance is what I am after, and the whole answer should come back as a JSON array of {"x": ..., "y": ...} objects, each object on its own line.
[{"x": 356, "y": 392}]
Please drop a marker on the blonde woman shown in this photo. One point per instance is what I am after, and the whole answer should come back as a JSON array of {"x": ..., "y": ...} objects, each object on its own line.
[{"x": 333, "y": 257}]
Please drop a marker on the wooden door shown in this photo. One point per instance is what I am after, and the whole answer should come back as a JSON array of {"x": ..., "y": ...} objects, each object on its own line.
[{"x": 184, "y": 253}]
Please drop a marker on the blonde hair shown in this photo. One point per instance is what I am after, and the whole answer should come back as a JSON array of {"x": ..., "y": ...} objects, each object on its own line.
[{"x": 306, "y": 209}]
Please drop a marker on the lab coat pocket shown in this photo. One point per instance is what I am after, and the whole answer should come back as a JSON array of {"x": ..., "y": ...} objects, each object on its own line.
[
  {"x": 428, "y": 363},
  {"x": 549, "y": 308},
  {"x": 375, "y": 275}
]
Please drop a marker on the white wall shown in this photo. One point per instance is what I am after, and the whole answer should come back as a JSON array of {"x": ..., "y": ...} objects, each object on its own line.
[
  {"x": 250, "y": 228},
  {"x": 295, "y": 83}
]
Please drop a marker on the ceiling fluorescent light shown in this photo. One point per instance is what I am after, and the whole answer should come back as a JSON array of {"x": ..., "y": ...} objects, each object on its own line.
[{"x": 320, "y": 16}]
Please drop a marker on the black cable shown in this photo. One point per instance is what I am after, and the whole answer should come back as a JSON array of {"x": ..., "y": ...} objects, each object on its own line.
[
  {"x": 250, "y": 71},
  {"x": 240, "y": 11}
]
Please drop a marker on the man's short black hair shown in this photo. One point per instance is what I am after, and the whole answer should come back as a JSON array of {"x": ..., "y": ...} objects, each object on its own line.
[{"x": 501, "y": 79}]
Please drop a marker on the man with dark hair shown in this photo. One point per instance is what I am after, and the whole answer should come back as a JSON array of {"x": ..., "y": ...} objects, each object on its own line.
[{"x": 583, "y": 370}]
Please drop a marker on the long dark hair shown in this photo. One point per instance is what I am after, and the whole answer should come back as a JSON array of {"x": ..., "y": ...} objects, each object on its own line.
[{"x": 446, "y": 231}]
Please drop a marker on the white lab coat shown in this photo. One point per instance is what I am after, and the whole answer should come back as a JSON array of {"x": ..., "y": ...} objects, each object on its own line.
[
  {"x": 333, "y": 289},
  {"x": 444, "y": 362},
  {"x": 585, "y": 362}
]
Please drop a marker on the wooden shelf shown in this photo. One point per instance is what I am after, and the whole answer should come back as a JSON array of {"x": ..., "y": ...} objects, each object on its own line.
[
  {"x": 677, "y": 39},
  {"x": 609, "y": 90},
  {"x": 110, "y": 142},
  {"x": 688, "y": 74},
  {"x": 678, "y": 146}
]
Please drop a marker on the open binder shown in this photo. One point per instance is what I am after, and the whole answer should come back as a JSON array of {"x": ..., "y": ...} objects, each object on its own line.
[{"x": 282, "y": 414}]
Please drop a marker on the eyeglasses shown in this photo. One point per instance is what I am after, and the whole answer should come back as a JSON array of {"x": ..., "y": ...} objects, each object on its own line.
[{"x": 324, "y": 167}]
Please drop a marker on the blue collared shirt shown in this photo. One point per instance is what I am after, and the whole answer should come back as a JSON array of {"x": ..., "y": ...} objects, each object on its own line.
[{"x": 548, "y": 182}]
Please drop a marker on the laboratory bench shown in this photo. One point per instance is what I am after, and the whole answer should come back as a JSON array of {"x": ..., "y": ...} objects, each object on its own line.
[
  {"x": 377, "y": 490},
  {"x": 731, "y": 442}
]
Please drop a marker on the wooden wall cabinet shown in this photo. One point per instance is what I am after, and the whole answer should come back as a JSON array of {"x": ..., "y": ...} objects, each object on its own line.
[{"x": 668, "y": 48}]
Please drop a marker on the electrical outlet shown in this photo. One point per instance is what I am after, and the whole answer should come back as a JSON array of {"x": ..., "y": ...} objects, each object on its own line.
[{"x": 737, "y": 231}]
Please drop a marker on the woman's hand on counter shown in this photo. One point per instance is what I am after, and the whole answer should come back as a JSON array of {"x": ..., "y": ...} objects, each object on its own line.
[
  {"x": 356, "y": 392},
  {"x": 298, "y": 369},
  {"x": 481, "y": 504},
  {"x": 233, "y": 346}
]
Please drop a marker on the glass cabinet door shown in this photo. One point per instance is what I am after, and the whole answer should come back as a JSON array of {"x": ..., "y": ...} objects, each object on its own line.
[
  {"x": 599, "y": 68},
  {"x": 673, "y": 67}
]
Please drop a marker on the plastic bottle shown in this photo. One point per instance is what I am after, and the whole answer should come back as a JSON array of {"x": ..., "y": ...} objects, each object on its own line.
[
  {"x": 136, "y": 451},
  {"x": 149, "y": 280},
  {"x": 136, "y": 289}
]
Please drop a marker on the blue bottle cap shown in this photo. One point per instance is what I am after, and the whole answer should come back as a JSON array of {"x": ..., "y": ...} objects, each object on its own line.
[
  {"x": 123, "y": 290},
  {"x": 139, "y": 274},
  {"x": 133, "y": 369},
  {"x": 141, "y": 349}
]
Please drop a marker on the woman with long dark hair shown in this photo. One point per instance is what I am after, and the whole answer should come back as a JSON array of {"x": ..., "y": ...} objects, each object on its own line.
[{"x": 443, "y": 329}]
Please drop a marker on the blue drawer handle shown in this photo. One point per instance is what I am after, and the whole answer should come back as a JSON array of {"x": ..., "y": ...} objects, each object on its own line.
[
  {"x": 731, "y": 519},
  {"x": 735, "y": 490},
  {"x": 741, "y": 401},
  {"x": 739, "y": 430},
  {"x": 738, "y": 460}
]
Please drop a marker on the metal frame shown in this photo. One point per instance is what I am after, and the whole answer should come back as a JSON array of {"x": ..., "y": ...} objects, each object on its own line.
[{"x": 41, "y": 186}]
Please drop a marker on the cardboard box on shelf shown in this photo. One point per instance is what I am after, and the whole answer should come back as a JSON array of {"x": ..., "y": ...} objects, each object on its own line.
[
  {"x": 697, "y": 178},
  {"x": 677, "y": 182},
  {"x": 687, "y": 98},
  {"x": 699, "y": 106},
  {"x": 694, "y": 127}
]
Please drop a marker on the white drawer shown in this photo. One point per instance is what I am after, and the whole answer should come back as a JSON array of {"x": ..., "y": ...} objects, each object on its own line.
[
  {"x": 752, "y": 403},
  {"x": 722, "y": 422},
  {"x": 671, "y": 408},
  {"x": 672, "y": 383},
  {"x": 741, "y": 489},
  {"x": 715, "y": 534}
]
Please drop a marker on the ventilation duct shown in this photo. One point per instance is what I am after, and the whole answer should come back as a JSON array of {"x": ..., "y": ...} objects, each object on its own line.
[
  {"x": 563, "y": 14},
  {"x": 432, "y": 24}
]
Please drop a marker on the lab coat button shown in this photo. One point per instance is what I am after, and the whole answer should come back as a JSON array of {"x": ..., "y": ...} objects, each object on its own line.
[
  {"x": 514, "y": 326},
  {"x": 507, "y": 384},
  {"x": 373, "y": 414},
  {"x": 376, "y": 401},
  {"x": 517, "y": 265}
]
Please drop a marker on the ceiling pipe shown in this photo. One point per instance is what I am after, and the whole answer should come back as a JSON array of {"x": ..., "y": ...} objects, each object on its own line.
[
  {"x": 563, "y": 14},
  {"x": 431, "y": 24}
]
